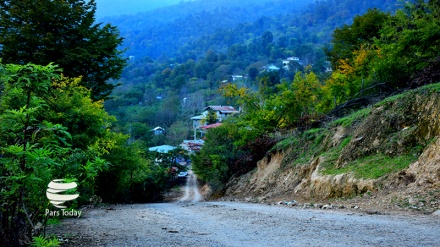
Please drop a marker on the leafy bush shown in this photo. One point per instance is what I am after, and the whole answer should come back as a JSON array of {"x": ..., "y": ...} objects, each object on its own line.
[
  {"x": 40, "y": 241},
  {"x": 52, "y": 129}
]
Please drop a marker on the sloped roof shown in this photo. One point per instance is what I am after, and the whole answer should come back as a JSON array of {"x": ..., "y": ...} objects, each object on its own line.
[
  {"x": 222, "y": 108},
  {"x": 199, "y": 117},
  {"x": 192, "y": 145},
  {"x": 162, "y": 149},
  {"x": 211, "y": 126}
]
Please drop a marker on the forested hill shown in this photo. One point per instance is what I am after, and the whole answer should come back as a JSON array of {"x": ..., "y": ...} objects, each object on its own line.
[
  {"x": 219, "y": 24},
  {"x": 165, "y": 30},
  {"x": 183, "y": 51}
]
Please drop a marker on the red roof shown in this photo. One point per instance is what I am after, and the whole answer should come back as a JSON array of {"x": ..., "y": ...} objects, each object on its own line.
[
  {"x": 211, "y": 126},
  {"x": 192, "y": 145}
]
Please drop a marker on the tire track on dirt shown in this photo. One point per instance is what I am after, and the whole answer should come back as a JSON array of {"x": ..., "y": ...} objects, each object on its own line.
[{"x": 192, "y": 193}]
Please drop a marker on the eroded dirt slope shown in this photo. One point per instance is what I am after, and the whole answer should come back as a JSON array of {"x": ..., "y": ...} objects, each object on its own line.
[{"x": 405, "y": 127}]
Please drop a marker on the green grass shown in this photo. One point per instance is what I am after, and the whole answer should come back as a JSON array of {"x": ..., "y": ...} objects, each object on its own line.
[
  {"x": 435, "y": 87},
  {"x": 286, "y": 143},
  {"x": 303, "y": 146},
  {"x": 374, "y": 166},
  {"x": 431, "y": 88},
  {"x": 332, "y": 155},
  {"x": 348, "y": 120}
]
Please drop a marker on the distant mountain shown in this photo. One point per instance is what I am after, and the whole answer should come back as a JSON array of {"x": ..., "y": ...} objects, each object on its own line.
[
  {"x": 165, "y": 30},
  {"x": 183, "y": 52},
  {"x": 123, "y": 7}
]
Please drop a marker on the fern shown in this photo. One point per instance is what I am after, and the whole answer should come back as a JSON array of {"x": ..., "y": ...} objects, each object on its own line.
[{"x": 40, "y": 241}]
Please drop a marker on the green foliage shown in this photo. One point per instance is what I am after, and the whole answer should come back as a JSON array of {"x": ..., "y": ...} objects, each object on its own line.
[
  {"x": 131, "y": 176},
  {"x": 79, "y": 46},
  {"x": 398, "y": 47},
  {"x": 211, "y": 163},
  {"x": 301, "y": 146},
  {"x": 211, "y": 118},
  {"x": 44, "y": 118},
  {"x": 288, "y": 102},
  {"x": 350, "y": 38},
  {"x": 374, "y": 166},
  {"x": 409, "y": 41},
  {"x": 40, "y": 241},
  {"x": 350, "y": 119}
]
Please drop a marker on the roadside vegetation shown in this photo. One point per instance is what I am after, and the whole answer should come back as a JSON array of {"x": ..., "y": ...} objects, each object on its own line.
[
  {"x": 53, "y": 85},
  {"x": 365, "y": 71},
  {"x": 52, "y": 119}
]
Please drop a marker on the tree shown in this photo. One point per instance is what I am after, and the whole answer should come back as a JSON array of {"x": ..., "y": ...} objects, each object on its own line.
[
  {"x": 211, "y": 163},
  {"x": 409, "y": 43},
  {"x": 35, "y": 147},
  {"x": 211, "y": 118},
  {"x": 63, "y": 32},
  {"x": 349, "y": 38},
  {"x": 253, "y": 73},
  {"x": 50, "y": 128}
]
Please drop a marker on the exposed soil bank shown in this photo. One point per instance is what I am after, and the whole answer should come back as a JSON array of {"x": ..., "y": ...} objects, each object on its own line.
[{"x": 386, "y": 157}]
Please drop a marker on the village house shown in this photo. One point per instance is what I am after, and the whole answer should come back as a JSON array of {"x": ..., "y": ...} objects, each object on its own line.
[
  {"x": 192, "y": 146},
  {"x": 287, "y": 61},
  {"x": 270, "y": 68},
  {"x": 222, "y": 113},
  {"x": 237, "y": 77},
  {"x": 162, "y": 149},
  {"x": 204, "y": 129},
  {"x": 158, "y": 131}
]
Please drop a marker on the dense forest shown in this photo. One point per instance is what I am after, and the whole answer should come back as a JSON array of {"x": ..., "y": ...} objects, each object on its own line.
[
  {"x": 79, "y": 98},
  {"x": 377, "y": 55},
  {"x": 193, "y": 51}
]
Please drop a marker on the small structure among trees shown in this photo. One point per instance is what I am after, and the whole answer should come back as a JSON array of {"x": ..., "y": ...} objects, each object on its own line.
[{"x": 212, "y": 115}]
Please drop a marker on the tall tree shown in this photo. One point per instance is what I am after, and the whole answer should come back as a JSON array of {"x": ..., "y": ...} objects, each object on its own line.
[
  {"x": 63, "y": 32},
  {"x": 350, "y": 38}
]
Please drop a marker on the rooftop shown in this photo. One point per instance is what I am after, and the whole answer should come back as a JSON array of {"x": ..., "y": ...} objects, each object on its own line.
[
  {"x": 211, "y": 126},
  {"x": 162, "y": 149},
  {"x": 220, "y": 108}
]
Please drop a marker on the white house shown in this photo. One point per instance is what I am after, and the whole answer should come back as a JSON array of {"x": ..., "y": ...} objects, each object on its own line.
[
  {"x": 328, "y": 67},
  {"x": 222, "y": 113},
  {"x": 287, "y": 61},
  {"x": 237, "y": 77},
  {"x": 270, "y": 68},
  {"x": 158, "y": 131}
]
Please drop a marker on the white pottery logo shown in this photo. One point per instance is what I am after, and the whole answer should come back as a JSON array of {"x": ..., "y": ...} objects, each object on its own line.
[{"x": 56, "y": 187}]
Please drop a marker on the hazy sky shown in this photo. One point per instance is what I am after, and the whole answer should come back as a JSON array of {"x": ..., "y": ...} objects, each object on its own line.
[{"x": 123, "y": 7}]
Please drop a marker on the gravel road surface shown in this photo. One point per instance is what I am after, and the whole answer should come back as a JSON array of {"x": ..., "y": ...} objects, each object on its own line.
[{"x": 189, "y": 222}]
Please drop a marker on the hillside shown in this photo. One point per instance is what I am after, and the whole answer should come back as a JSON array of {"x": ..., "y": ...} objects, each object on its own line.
[
  {"x": 166, "y": 30},
  {"x": 194, "y": 46},
  {"x": 382, "y": 157}
]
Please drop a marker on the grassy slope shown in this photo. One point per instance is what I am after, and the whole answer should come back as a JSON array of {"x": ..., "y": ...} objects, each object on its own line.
[{"x": 395, "y": 148}]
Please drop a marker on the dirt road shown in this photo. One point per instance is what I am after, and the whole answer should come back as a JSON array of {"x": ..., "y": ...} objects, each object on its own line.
[
  {"x": 188, "y": 222},
  {"x": 191, "y": 189}
]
